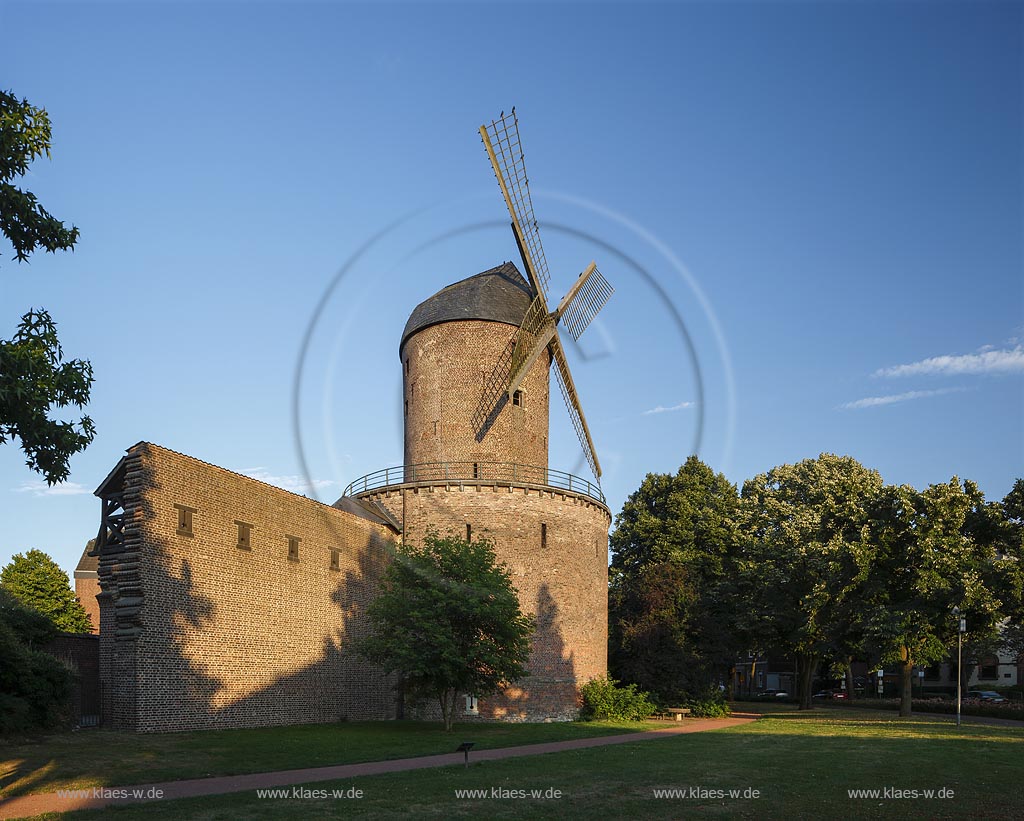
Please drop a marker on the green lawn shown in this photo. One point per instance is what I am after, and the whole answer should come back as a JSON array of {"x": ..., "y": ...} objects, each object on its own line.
[
  {"x": 802, "y": 764},
  {"x": 93, "y": 758}
]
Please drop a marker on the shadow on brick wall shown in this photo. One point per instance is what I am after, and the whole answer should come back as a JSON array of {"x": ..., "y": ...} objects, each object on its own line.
[
  {"x": 550, "y": 691},
  {"x": 338, "y": 686}
]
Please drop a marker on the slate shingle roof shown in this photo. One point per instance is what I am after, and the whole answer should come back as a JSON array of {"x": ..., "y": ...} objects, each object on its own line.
[{"x": 498, "y": 295}]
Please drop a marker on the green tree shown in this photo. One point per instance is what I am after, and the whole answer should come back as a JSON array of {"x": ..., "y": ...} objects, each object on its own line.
[
  {"x": 926, "y": 559},
  {"x": 37, "y": 581},
  {"x": 803, "y": 556},
  {"x": 33, "y": 378},
  {"x": 447, "y": 620},
  {"x": 32, "y": 628},
  {"x": 1011, "y": 547},
  {"x": 670, "y": 629}
]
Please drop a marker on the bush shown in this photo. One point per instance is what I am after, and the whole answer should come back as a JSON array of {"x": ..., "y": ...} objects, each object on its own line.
[
  {"x": 709, "y": 704},
  {"x": 35, "y": 687},
  {"x": 603, "y": 698}
]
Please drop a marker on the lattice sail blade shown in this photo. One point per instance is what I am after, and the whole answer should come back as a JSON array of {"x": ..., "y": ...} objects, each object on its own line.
[
  {"x": 501, "y": 139},
  {"x": 584, "y": 301},
  {"x": 572, "y": 404},
  {"x": 534, "y": 334}
]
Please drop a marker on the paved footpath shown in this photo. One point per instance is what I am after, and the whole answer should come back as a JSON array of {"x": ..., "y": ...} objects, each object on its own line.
[{"x": 28, "y": 805}]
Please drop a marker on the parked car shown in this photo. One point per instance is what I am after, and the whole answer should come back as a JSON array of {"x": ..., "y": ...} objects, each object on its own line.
[
  {"x": 836, "y": 694},
  {"x": 988, "y": 696},
  {"x": 768, "y": 695}
]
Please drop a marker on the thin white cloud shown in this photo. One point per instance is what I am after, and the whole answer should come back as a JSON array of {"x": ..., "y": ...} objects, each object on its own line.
[
  {"x": 37, "y": 488},
  {"x": 986, "y": 360},
  {"x": 892, "y": 399},
  {"x": 293, "y": 483},
  {"x": 660, "y": 409}
]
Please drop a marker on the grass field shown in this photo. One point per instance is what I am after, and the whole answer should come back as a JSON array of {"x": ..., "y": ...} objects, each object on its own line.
[
  {"x": 94, "y": 758},
  {"x": 802, "y": 765}
]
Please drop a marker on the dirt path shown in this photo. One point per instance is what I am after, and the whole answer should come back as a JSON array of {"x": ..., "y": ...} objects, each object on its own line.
[{"x": 91, "y": 798}]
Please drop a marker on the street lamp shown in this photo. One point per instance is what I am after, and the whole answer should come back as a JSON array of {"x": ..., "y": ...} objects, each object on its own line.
[{"x": 961, "y": 629}]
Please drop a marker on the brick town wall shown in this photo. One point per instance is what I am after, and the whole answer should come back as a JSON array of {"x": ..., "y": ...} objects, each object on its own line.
[
  {"x": 230, "y": 637},
  {"x": 564, "y": 584},
  {"x": 80, "y": 652},
  {"x": 448, "y": 365}
]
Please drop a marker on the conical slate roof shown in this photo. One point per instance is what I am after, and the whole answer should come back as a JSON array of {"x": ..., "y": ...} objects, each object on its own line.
[{"x": 497, "y": 295}]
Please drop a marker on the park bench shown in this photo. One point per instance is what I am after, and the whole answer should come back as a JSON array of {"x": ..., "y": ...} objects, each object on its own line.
[{"x": 672, "y": 714}]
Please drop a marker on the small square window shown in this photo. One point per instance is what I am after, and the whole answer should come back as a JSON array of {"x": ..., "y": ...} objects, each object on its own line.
[
  {"x": 293, "y": 549},
  {"x": 472, "y": 706},
  {"x": 185, "y": 519},
  {"x": 517, "y": 399},
  {"x": 335, "y": 559},
  {"x": 244, "y": 536}
]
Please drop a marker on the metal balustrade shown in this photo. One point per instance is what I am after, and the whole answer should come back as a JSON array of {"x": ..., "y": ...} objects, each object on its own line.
[{"x": 480, "y": 472}]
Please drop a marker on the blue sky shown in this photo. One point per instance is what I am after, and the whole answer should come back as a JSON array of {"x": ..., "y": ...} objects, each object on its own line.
[{"x": 812, "y": 214}]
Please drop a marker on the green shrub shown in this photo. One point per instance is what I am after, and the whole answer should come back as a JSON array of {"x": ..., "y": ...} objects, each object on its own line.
[
  {"x": 709, "y": 704},
  {"x": 35, "y": 687},
  {"x": 603, "y": 698}
]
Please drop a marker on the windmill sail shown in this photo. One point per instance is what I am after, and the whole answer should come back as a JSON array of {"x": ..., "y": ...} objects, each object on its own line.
[
  {"x": 539, "y": 328},
  {"x": 584, "y": 301},
  {"x": 572, "y": 404},
  {"x": 501, "y": 139}
]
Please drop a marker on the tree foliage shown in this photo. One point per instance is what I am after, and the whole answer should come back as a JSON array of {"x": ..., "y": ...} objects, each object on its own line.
[
  {"x": 925, "y": 561},
  {"x": 820, "y": 562},
  {"x": 1010, "y": 544},
  {"x": 25, "y": 135},
  {"x": 802, "y": 554},
  {"x": 34, "y": 379},
  {"x": 668, "y": 630},
  {"x": 37, "y": 581},
  {"x": 447, "y": 620}
]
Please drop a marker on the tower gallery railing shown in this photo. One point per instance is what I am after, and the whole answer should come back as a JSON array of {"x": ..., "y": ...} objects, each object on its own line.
[{"x": 483, "y": 472}]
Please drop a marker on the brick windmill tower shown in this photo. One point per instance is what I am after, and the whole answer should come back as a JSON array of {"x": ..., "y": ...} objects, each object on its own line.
[{"x": 475, "y": 361}]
